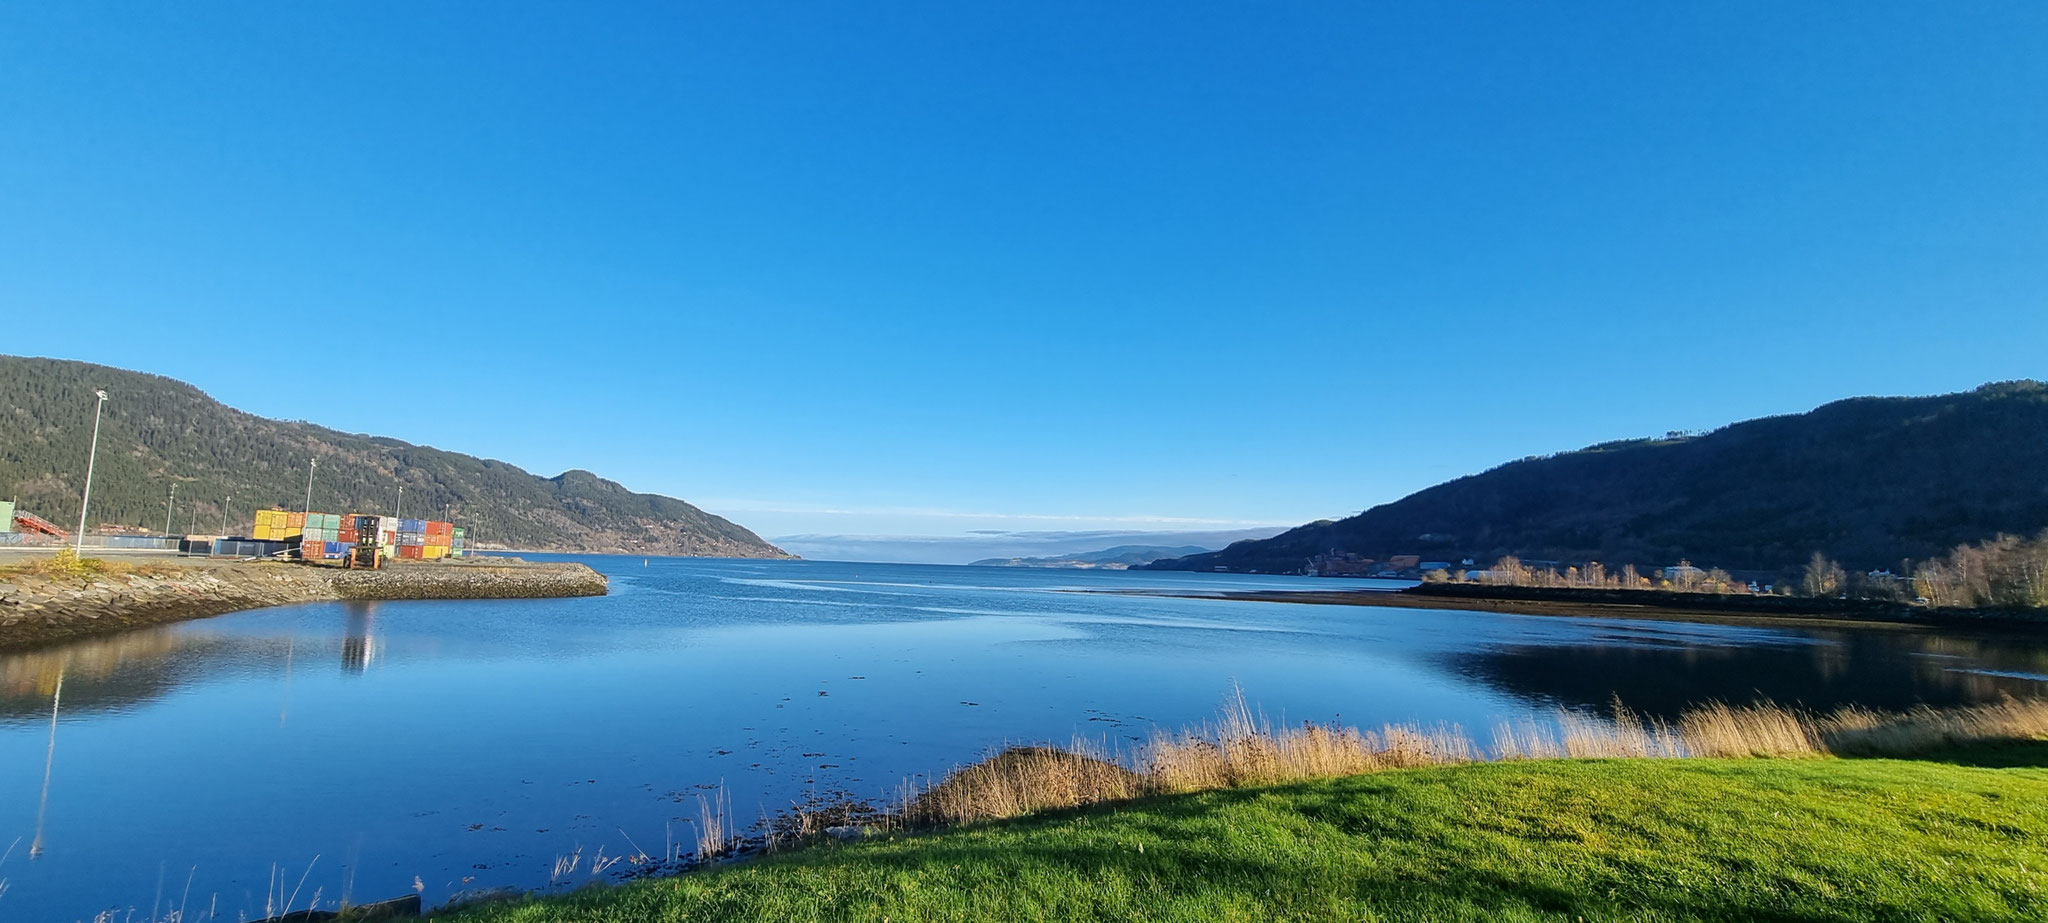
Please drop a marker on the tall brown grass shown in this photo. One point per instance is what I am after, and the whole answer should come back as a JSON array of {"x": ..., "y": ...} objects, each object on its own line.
[
  {"x": 1022, "y": 780},
  {"x": 1243, "y": 748}
]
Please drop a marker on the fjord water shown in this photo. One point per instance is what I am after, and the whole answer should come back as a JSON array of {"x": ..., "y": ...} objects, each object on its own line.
[{"x": 348, "y": 749}]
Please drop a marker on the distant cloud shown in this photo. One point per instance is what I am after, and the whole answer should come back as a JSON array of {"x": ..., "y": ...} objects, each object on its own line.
[{"x": 974, "y": 546}]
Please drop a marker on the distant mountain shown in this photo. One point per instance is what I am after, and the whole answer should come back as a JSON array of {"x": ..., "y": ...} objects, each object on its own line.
[
  {"x": 157, "y": 431},
  {"x": 1868, "y": 481},
  {"x": 1121, "y": 556}
]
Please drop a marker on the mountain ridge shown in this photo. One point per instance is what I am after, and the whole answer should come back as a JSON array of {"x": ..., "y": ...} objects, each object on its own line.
[
  {"x": 1115, "y": 557},
  {"x": 157, "y": 431},
  {"x": 1870, "y": 481}
]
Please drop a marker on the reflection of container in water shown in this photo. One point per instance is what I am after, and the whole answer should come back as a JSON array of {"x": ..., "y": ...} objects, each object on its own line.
[{"x": 359, "y": 646}]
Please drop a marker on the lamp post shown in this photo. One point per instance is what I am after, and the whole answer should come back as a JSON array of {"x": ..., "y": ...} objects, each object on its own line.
[
  {"x": 168, "y": 505},
  {"x": 401, "y": 503},
  {"x": 310, "y": 468},
  {"x": 224, "y": 513},
  {"x": 90, "y": 459}
]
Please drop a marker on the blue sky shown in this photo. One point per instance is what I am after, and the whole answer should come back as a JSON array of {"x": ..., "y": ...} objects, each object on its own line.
[{"x": 925, "y": 269}]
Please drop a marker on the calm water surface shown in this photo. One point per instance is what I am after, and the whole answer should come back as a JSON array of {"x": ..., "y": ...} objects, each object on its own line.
[{"x": 358, "y": 746}]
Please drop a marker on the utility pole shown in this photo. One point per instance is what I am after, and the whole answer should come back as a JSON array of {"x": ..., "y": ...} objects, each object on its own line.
[
  {"x": 401, "y": 503},
  {"x": 86, "y": 501},
  {"x": 224, "y": 513},
  {"x": 169, "y": 505},
  {"x": 310, "y": 468}
]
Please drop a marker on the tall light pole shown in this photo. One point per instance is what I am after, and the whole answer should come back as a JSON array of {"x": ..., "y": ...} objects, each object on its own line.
[
  {"x": 224, "y": 513},
  {"x": 78, "y": 544},
  {"x": 168, "y": 505},
  {"x": 401, "y": 503},
  {"x": 309, "y": 483}
]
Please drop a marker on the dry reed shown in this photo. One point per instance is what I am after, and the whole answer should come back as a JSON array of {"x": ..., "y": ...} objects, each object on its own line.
[
  {"x": 1021, "y": 780},
  {"x": 1243, "y": 748},
  {"x": 714, "y": 825}
]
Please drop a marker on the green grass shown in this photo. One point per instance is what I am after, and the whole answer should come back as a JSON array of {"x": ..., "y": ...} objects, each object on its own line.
[{"x": 1962, "y": 837}]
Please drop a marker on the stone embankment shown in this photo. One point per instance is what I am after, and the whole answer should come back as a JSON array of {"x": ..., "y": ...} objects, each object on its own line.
[{"x": 39, "y": 608}]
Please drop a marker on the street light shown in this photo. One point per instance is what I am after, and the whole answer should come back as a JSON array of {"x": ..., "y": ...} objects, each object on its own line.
[
  {"x": 168, "y": 505},
  {"x": 224, "y": 513},
  {"x": 90, "y": 459},
  {"x": 309, "y": 483},
  {"x": 401, "y": 503}
]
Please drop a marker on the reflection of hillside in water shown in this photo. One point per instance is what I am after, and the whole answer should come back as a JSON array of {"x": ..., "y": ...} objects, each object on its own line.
[
  {"x": 118, "y": 672},
  {"x": 1878, "y": 669}
]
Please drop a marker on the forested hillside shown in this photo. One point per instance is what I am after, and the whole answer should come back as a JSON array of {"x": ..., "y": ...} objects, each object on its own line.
[
  {"x": 158, "y": 431},
  {"x": 1868, "y": 481}
]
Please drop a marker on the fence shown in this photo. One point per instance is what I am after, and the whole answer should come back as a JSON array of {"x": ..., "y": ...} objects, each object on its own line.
[{"x": 132, "y": 543}]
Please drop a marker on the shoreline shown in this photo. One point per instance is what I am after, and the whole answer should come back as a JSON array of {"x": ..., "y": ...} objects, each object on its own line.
[
  {"x": 38, "y": 610},
  {"x": 1639, "y": 604}
]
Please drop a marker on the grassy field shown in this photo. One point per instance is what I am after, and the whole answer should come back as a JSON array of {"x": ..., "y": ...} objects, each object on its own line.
[{"x": 1960, "y": 837}]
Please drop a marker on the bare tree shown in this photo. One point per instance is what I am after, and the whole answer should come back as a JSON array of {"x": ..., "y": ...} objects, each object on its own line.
[{"x": 1824, "y": 578}]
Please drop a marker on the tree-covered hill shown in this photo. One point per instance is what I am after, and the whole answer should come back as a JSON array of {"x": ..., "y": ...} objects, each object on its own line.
[
  {"x": 1869, "y": 481},
  {"x": 158, "y": 431}
]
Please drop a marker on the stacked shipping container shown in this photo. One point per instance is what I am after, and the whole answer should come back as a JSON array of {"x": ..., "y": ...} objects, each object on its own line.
[{"x": 333, "y": 535}]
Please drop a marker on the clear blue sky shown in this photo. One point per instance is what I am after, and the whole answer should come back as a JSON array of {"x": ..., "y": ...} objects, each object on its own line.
[{"x": 891, "y": 268}]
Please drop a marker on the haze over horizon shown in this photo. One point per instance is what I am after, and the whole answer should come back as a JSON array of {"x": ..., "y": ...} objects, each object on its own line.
[{"x": 903, "y": 276}]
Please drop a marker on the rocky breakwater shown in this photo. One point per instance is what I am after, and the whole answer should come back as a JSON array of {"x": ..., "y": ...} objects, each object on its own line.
[
  {"x": 481, "y": 579},
  {"x": 40, "y": 607}
]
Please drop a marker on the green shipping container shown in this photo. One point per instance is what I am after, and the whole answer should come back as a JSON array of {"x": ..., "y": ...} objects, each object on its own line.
[{"x": 6, "y": 515}]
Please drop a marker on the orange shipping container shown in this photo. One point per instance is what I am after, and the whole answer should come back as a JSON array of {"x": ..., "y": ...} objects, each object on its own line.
[
  {"x": 409, "y": 551},
  {"x": 295, "y": 520}
]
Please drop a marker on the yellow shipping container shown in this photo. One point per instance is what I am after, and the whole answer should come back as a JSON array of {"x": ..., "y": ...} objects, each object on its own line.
[{"x": 434, "y": 551}]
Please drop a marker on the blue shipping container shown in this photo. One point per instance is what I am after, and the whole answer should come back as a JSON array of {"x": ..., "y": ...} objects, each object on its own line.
[
  {"x": 412, "y": 525},
  {"x": 337, "y": 549}
]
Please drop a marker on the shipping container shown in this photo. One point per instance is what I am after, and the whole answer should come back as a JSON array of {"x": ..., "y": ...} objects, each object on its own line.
[
  {"x": 347, "y": 535},
  {"x": 414, "y": 539},
  {"x": 412, "y": 525},
  {"x": 432, "y": 552},
  {"x": 410, "y": 551},
  {"x": 460, "y": 531},
  {"x": 6, "y": 515}
]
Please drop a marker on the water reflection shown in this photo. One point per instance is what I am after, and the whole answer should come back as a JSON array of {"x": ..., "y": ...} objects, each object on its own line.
[
  {"x": 35, "y": 846},
  {"x": 1822, "y": 669},
  {"x": 120, "y": 672},
  {"x": 359, "y": 647}
]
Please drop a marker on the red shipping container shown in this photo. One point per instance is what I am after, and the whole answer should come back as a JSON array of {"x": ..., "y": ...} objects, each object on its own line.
[
  {"x": 409, "y": 551},
  {"x": 347, "y": 536}
]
